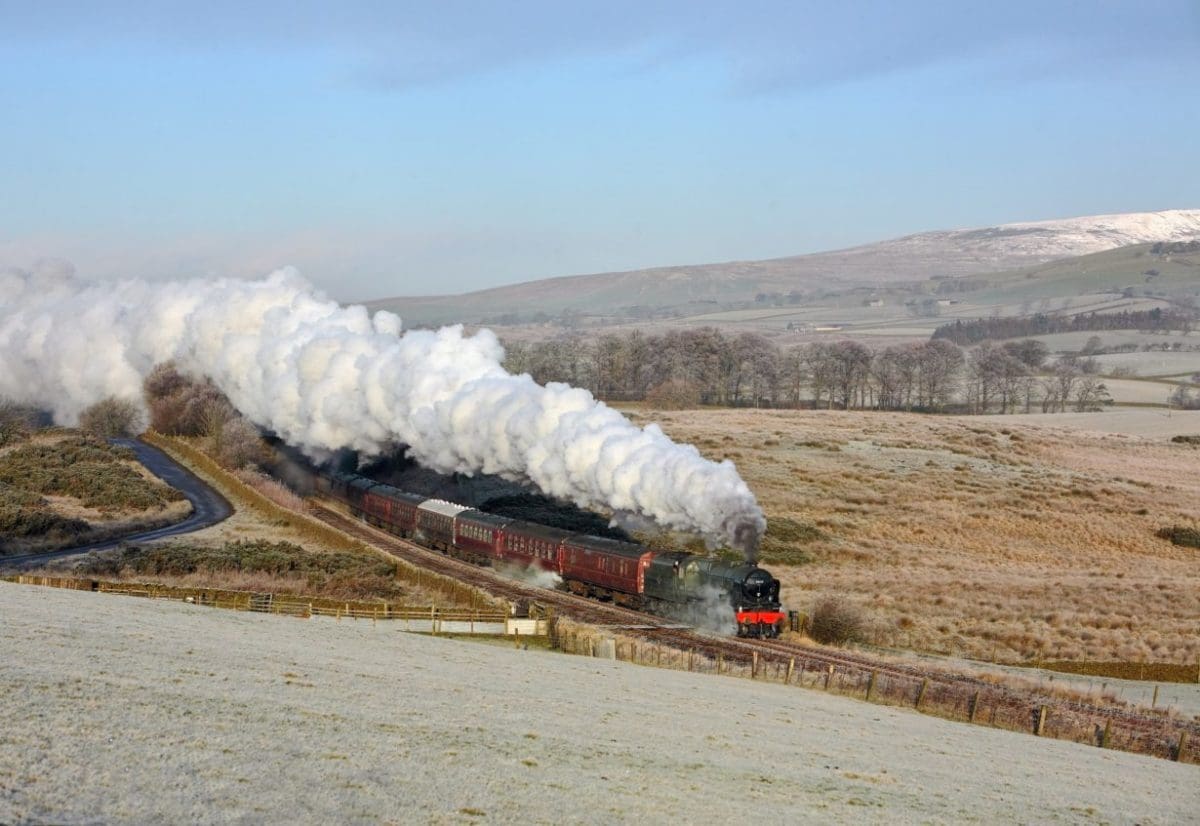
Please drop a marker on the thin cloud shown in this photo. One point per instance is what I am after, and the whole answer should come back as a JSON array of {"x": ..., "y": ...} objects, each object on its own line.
[{"x": 761, "y": 47}]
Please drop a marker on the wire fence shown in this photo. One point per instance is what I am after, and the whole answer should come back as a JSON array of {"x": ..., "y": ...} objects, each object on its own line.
[
  {"x": 1164, "y": 734},
  {"x": 295, "y": 605}
]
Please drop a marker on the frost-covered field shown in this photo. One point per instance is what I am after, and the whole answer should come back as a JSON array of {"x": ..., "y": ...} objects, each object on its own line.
[
  {"x": 1133, "y": 391},
  {"x": 1153, "y": 363},
  {"x": 1151, "y": 422},
  {"x": 120, "y": 710}
]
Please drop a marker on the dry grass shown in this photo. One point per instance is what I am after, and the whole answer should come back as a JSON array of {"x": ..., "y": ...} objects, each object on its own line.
[{"x": 983, "y": 539}]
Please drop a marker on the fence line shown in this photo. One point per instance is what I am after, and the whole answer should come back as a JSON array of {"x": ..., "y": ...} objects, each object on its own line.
[
  {"x": 993, "y": 706},
  {"x": 266, "y": 603}
]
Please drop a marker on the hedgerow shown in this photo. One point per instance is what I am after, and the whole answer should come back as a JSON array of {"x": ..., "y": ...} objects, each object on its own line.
[
  {"x": 336, "y": 572},
  {"x": 254, "y": 556}
]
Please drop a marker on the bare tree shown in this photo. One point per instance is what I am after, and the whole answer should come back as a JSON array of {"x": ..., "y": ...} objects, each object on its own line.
[
  {"x": 757, "y": 369},
  {"x": 1090, "y": 393},
  {"x": 940, "y": 364},
  {"x": 851, "y": 363},
  {"x": 794, "y": 373},
  {"x": 819, "y": 358},
  {"x": 110, "y": 418},
  {"x": 1031, "y": 352},
  {"x": 1060, "y": 386}
]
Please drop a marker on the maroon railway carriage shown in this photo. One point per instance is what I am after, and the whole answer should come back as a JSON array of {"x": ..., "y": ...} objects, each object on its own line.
[
  {"x": 479, "y": 536},
  {"x": 605, "y": 568},
  {"x": 533, "y": 546},
  {"x": 392, "y": 508}
]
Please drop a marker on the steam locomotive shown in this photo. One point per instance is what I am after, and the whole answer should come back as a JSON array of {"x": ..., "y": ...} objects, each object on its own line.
[{"x": 675, "y": 584}]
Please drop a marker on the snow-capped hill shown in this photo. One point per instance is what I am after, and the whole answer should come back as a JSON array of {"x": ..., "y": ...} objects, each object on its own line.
[
  {"x": 941, "y": 253},
  {"x": 1067, "y": 237}
]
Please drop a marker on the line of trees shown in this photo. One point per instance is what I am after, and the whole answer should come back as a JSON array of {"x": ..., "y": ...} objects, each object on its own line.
[
  {"x": 705, "y": 366},
  {"x": 977, "y": 330}
]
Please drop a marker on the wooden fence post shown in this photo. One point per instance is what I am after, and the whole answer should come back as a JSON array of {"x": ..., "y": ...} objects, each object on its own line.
[
  {"x": 870, "y": 685},
  {"x": 973, "y": 707},
  {"x": 791, "y": 668},
  {"x": 1106, "y": 735},
  {"x": 1182, "y": 745},
  {"x": 828, "y": 677},
  {"x": 720, "y": 661},
  {"x": 691, "y": 653},
  {"x": 1041, "y": 721},
  {"x": 1154, "y": 699},
  {"x": 753, "y": 664},
  {"x": 921, "y": 692}
]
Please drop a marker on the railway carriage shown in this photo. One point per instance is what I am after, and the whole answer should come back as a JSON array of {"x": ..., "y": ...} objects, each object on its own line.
[
  {"x": 435, "y": 523},
  {"x": 480, "y": 536},
  {"x": 605, "y": 568},
  {"x": 530, "y": 545},
  {"x": 392, "y": 509}
]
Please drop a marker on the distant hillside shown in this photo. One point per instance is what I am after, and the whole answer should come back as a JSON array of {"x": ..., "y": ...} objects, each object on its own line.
[{"x": 946, "y": 253}]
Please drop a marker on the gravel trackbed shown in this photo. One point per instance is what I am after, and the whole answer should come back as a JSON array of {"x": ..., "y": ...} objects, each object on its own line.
[{"x": 120, "y": 710}]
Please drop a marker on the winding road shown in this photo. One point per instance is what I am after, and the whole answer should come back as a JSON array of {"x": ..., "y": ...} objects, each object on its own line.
[{"x": 208, "y": 508}]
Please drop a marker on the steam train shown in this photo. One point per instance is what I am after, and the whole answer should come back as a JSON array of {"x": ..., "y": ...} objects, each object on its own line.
[{"x": 674, "y": 584}]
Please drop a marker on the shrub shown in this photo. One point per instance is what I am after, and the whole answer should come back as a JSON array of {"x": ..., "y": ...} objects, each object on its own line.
[
  {"x": 111, "y": 418},
  {"x": 783, "y": 538},
  {"x": 25, "y": 514},
  {"x": 1179, "y": 535},
  {"x": 88, "y": 470},
  {"x": 1187, "y": 439},
  {"x": 341, "y": 573},
  {"x": 183, "y": 406},
  {"x": 16, "y": 422},
  {"x": 836, "y": 621},
  {"x": 675, "y": 394},
  {"x": 23, "y": 522},
  {"x": 237, "y": 444}
]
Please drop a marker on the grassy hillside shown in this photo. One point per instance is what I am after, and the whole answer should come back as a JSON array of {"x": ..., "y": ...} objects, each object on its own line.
[
  {"x": 828, "y": 288},
  {"x": 988, "y": 538}
]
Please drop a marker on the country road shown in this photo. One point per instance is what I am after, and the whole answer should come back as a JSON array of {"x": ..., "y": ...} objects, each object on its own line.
[{"x": 208, "y": 508}]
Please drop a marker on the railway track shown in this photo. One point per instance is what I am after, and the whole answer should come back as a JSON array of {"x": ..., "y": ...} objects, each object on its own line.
[
  {"x": 566, "y": 604},
  {"x": 777, "y": 654}
]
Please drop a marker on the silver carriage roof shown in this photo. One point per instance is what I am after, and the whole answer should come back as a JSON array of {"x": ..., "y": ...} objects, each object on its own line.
[{"x": 443, "y": 507}]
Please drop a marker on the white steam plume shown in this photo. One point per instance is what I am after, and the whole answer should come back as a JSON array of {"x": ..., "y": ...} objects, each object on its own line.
[{"x": 324, "y": 377}]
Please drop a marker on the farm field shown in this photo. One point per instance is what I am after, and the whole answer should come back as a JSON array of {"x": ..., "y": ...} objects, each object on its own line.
[
  {"x": 1136, "y": 391},
  {"x": 1153, "y": 363},
  {"x": 384, "y": 726},
  {"x": 1009, "y": 538},
  {"x": 1075, "y": 342}
]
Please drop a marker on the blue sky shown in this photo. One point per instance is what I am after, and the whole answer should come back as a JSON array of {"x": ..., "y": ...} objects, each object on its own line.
[{"x": 413, "y": 148}]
